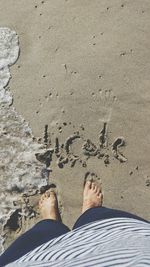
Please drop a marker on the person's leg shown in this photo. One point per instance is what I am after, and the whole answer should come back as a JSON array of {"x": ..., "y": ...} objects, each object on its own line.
[
  {"x": 101, "y": 213},
  {"x": 92, "y": 209},
  {"x": 50, "y": 227}
]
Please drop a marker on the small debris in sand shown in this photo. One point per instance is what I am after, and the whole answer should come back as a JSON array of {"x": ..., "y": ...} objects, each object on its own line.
[
  {"x": 82, "y": 127},
  {"x": 60, "y": 129},
  {"x": 123, "y": 53},
  {"x": 106, "y": 160},
  {"x": 147, "y": 182},
  {"x": 84, "y": 165}
]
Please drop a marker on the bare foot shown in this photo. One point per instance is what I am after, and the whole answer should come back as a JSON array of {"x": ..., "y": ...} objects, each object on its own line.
[
  {"x": 92, "y": 196},
  {"x": 48, "y": 205}
]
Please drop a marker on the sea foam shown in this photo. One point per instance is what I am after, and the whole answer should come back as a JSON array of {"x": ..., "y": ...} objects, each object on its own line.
[{"x": 20, "y": 172}]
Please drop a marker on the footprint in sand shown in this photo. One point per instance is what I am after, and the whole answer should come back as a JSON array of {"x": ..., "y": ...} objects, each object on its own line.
[
  {"x": 13, "y": 225},
  {"x": 107, "y": 100},
  {"x": 94, "y": 108}
]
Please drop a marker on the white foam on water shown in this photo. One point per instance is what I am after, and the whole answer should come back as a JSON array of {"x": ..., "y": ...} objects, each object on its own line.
[{"x": 19, "y": 169}]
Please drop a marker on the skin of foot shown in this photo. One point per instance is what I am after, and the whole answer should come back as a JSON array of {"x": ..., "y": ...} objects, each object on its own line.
[
  {"x": 48, "y": 206},
  {"x": 92, "y": 196}
]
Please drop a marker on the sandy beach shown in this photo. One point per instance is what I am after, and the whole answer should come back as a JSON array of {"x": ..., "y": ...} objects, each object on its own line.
[{"x": 82, "y": 84}]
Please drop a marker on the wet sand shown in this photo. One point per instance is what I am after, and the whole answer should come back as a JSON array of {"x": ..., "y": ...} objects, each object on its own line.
[{"x": 82, "y": 83}]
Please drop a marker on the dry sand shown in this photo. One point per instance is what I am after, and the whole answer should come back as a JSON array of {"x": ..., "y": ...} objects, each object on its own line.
[{"x": 83, "y": 64}]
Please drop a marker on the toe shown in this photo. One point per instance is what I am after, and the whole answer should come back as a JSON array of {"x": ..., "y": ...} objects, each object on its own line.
[
  {"x": 100, "y": 196},
  {"x": 42, "y": 197},
  {"x": 88, "y": 185},
  {"x": 40, "y": 203},
  {"x": 98, "y": 191},
  {"x": 47, "y": 194},
  {"x": 52, "y": 194},
  {"x": 93, "y": 186}
]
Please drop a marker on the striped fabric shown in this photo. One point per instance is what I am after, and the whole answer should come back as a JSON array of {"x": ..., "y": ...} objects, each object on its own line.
[{"x": 111, "y": 242}]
